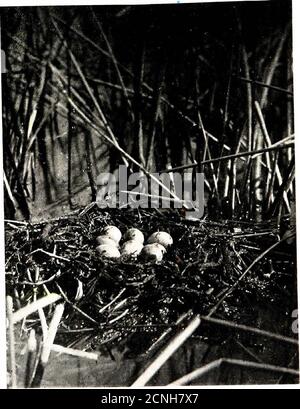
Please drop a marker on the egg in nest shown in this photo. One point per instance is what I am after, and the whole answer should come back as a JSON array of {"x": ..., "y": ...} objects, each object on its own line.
[
  {"x": 161, "y": 237},
  {"x": 113, "y": 233}
]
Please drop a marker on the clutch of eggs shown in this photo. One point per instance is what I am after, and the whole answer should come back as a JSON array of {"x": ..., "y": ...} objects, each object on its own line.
[
  {"x": 133, "y": 239},
  {"x": 161, "y": 237}
]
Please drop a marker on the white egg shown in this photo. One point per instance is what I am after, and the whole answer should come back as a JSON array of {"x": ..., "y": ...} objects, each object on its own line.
[
  {"x": 153, "y": 252},
  {"x": 131, "y": 248},
  {"x": 162, "y": 238},
  {"x": 134, "y": 234},
  {"x": 113, "y": 233},
  {"x": 106, "y": 240},
  {"x": 107, "y": 251}
]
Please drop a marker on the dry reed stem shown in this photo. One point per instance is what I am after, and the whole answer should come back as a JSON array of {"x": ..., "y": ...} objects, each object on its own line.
[
  {"x": 47, "y": 345},
  {"x": 74, "y": 352},
  {"x": 167, "y": 352},
  {"x": 33, "y": 307},
  {"x": 31, "y": 350},
  {"x": 253, "y": 330},
  {"x": 184, "y": 380}
]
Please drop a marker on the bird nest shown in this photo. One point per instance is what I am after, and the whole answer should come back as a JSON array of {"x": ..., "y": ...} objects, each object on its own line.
[{"x": 109, "y": 302}]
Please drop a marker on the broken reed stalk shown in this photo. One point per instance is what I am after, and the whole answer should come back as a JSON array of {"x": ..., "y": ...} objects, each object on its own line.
[
  {"x": 198, "y": 373},
  {"x": 31, "y": 351},
  {"x": 47, "y": 345},
  {"x": 11, "y": 339},
  {"x": 167, "y": 352}
]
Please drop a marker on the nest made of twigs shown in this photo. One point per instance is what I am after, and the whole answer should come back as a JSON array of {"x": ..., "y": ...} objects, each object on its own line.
[{"x": 112, "y": 301}]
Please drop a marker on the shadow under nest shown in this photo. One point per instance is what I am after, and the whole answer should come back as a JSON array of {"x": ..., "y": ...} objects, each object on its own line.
[{"x": 110, "y": 304}]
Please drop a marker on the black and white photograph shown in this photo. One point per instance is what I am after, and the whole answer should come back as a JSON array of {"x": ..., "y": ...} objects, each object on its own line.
[{"x": 149, "y": 195}]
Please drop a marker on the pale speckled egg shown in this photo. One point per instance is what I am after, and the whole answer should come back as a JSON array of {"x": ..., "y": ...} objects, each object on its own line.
[
  {"x": 153, "y": 252},
  {"x": 134, "y": 234},
  {"x": 113, "y": 233},
  {"x": 107, "y": 251},
  {"x": 161, "y": 237},
  {"x": 106, "y": 240},
  {"x": 131, "y": 248}
]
